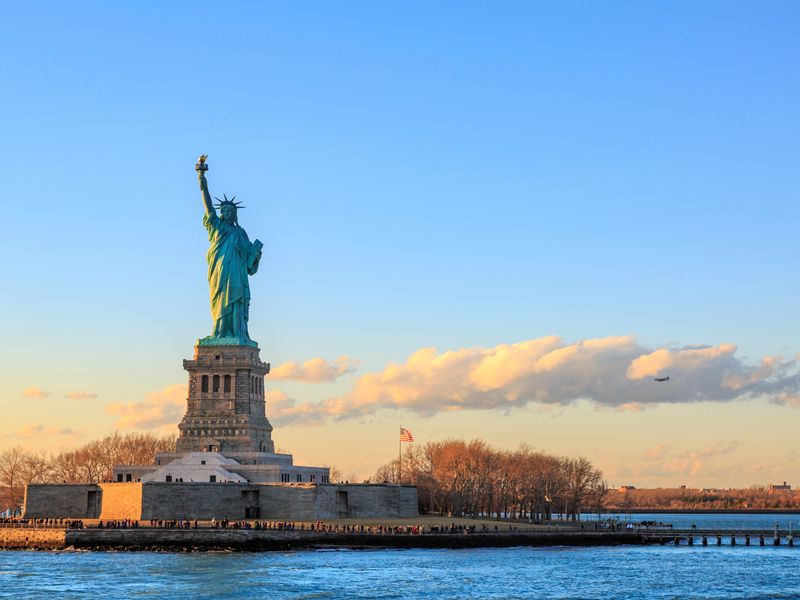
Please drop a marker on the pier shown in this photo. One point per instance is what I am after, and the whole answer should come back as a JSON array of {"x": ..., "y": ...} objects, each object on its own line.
[{"x": 717, "y": 537}]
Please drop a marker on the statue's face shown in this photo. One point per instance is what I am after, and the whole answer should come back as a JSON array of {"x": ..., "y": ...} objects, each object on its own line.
[{"x": 228, "y": 213}]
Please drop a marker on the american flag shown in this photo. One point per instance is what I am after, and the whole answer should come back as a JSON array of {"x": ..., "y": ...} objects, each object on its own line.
[{"x": 405, "y": 435}]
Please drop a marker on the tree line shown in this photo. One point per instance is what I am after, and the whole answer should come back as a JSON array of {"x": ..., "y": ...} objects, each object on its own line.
[
  {"x": 459, "y": 478},
  {"x": 753, "y": 498},
  {"x": 91, "y": 462}
]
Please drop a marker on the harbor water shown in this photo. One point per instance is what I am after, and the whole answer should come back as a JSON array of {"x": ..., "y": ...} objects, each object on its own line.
[
  {"x": 617, "y": 572},
  {"x": 657, "y": 572}
]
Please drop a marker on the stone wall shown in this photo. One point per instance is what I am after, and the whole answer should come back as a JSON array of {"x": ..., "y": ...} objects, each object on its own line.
[
  {"x": 29, "y": 538},
  {"x": 337, "y": 501},
  {"x": 257, "y": 473},
  {"x": 193, "y": 500},
  {"x": 121, "y": 501},
  {"x": 286, "y": 502},
  {"x": 68, "y": 501},
  {"x": 376, "y": 501},
  {"x": 289, "y": 502}
]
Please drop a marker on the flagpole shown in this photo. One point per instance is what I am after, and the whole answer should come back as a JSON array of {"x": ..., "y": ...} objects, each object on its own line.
[{"x": 400, "y": 459}]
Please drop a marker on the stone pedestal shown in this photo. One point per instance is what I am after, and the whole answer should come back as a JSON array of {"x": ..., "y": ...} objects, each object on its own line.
[{"x": 225, "y": 407}]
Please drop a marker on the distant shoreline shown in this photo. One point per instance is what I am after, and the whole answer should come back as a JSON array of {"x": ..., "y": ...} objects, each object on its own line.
[{"x": 699, "y": 511}]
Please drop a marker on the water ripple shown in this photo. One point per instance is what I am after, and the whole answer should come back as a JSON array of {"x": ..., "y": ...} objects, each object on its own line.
[{"x": 554, "y": 573}]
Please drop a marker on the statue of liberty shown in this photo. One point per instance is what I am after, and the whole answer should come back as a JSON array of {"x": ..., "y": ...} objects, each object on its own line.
[{"x": 231, "y": 258}]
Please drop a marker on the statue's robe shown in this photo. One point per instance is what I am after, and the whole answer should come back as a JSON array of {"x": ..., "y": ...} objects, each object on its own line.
[{"x": 231, "y": 258}]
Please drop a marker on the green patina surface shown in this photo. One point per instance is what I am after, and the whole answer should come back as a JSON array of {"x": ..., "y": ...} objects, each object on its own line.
[
  {"x": 225, "y": 341},
  {"x": 232, "y": 258}
]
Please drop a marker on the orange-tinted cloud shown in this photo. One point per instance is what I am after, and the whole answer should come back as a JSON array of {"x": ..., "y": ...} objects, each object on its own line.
[
  {"x": 31, "y": 431},
  {"x": 160, "y": 410},
  {"x": 282, "y": 409},
  {"x": 658, "y": 451},
  {"x": 316, "y": 370},
  {"x": 788, "y": 398},
  {"x": 662, "y": 461},
  {"x": 35, "y": 393},
  {"x": 613, "y": 371},
  {"x": 634, "y": 407},
  {"x": 662, "y": 360},
  {"x": 768, "y": 366}
]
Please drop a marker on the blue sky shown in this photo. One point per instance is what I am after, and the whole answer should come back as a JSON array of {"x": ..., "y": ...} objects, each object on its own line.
[{"x": 460, "y": 175}]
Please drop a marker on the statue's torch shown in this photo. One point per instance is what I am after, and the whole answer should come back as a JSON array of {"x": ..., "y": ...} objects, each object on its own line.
[{"x": 201, "y": 163}]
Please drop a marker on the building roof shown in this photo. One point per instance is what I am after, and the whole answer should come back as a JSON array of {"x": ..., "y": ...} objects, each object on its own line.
[{"x": 196, "y": 467}]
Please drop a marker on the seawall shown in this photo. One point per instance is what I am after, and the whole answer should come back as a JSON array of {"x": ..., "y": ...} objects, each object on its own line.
[
  {"x": 32, "y": 539},
  {"x": 155, "y": 539}
]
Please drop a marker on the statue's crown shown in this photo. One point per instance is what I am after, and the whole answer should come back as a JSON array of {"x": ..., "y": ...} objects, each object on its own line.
[{"x": 226, "y": 202}]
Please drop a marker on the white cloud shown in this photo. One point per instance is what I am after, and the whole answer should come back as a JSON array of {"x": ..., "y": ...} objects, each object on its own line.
[
  {"x": 316, "y": 370},
  {"x": 80, "y": 396},
  {"x": 160, "y": 410},
  {"x": 614, "y": 372},
  {"x": 35, "y": 393}
]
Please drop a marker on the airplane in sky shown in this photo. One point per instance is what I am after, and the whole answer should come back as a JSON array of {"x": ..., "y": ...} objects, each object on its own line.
[{"x": 661, "y": 379}]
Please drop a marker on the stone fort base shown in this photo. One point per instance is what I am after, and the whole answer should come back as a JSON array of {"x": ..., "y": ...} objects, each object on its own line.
[{"x": 157, "y": 500}]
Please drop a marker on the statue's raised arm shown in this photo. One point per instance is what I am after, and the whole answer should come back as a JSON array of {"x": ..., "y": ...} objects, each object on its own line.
[{"x": 201, "y": 167}]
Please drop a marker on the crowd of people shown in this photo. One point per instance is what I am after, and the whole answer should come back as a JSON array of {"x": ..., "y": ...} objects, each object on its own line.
[
  {"x": 173, "y": 523},
  {"x": 41, "y": 523},
  {"x": 324, "y": 527},
  {"x": 616, "y": 525},
  {"x": 118, "y": 524},
  {"x": 315, "y": 527}
]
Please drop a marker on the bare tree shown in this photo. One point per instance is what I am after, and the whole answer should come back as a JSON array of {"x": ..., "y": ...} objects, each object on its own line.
[
  {"x": 386, "y": 474},
  {"x": 94, "y": 461},
  {"x": 36, "y": 468},
  {"x": 334, "y": 473},
  {"x": 457, "y": 477},
  {"x": 582, "y": 480},
  {"x": 66, "y": 467},
  {"x": 12, "y": 468}
]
